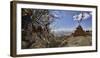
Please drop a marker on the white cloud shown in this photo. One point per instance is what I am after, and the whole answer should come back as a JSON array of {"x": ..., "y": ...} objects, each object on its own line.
[
  {"x": 75, "y": 17},
  {"x": 86, "y": 16},
  {"x": 90, "y": 13},
  {"x": 82, "y": 16}
]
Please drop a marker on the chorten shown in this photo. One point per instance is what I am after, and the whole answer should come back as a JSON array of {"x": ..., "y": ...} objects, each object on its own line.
[{"x": 79, "y": 31}]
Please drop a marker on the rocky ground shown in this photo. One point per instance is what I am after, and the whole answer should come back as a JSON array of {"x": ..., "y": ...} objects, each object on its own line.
[
  {"x": 77, "y": 41},
  {"x": 69, "y": 41}
]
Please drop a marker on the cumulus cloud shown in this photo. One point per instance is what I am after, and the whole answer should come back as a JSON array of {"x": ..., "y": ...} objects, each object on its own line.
[
  {"x": 82, "y": 16},
  {"x": 77, "y": 17}
]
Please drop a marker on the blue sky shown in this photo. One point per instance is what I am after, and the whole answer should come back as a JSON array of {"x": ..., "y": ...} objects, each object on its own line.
[{"x": 65, "y": 20}]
